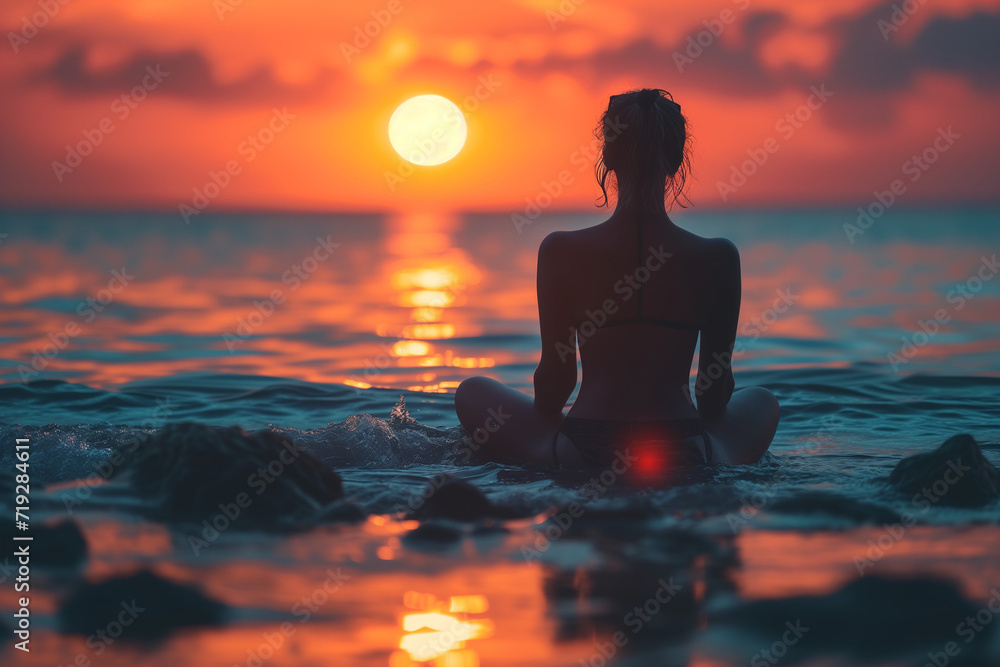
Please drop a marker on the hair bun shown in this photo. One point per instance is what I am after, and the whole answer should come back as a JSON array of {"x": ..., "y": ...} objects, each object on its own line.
[{"x": 647, "y": 97}]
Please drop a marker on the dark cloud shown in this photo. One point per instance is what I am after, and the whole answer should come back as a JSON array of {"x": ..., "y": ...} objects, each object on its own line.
[
  {"x": 873, "y": 58},
  {"x": 970, "y": 46},
  {"x": 865, "y": 74},
  {"x": 864, "y": 64},
  {"x": 873, "y": 62},
  {"x": 700, "y": 59},
  {"x": 189, "y": 75},
  {"x": 868, "y": 60}
]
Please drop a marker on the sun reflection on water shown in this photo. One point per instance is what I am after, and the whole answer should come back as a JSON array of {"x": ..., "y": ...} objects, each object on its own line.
[
  {"x": 429, "y": 277},
  {"x": 436, "y": 631}
]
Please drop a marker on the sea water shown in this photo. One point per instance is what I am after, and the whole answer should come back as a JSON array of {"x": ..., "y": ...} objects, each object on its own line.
[{"x": 879, "y": 342}]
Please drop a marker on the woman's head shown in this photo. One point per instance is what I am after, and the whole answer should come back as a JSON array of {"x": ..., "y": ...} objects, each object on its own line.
[{"x": 646, "y": 144}]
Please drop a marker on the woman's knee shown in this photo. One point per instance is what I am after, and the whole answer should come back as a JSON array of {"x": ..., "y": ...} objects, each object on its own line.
[
  {"x": 757, "y": 409},
  {"x": 469, "y": 389},
  {"x": 474, "y": 395},
  {"x": 765, "y": 405},
  {"x": 770, "y": 402},
  {"x": 760, "y": 399}
]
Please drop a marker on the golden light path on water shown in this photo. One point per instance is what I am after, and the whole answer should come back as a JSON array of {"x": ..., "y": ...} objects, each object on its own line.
[
  {"x": 423, "y": 300},
  {"x": 440, "y": 629},
  {"x": 428, "y": 276}
]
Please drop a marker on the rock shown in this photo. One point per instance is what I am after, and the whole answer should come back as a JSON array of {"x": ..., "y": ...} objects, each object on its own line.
[
  {"x": 834, "y": 505},
  {"x": 453, "y": 498},
  {"x": 955, "y": 474},
  {"x": 193, "y": 472},
  {"x": 140, "y": 607},
  {"x": 872, "y": 620},
  {"x": 432, "y": 533},
  {"x": 341, "y": 511},
  {"x": 60, "y": 544}
]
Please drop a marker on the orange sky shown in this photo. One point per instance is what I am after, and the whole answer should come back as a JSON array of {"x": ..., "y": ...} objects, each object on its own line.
[{"x": 550, "y": 66}]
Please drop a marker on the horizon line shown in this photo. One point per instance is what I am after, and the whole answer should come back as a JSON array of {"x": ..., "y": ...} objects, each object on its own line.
[{"x": 381, "y": 212}]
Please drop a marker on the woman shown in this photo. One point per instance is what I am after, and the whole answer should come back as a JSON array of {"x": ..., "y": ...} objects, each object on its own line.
[{"x": 632, "y": 293}]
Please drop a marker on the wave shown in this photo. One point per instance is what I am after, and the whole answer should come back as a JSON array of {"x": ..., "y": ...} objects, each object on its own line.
[{"x": 842, "y": 432}]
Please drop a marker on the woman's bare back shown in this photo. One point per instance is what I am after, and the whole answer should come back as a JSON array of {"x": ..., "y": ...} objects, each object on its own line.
[{"x": 639, "y": 370}]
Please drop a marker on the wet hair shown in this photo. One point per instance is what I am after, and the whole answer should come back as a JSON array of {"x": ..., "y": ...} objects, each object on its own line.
[{"x": 645, "y": 142}]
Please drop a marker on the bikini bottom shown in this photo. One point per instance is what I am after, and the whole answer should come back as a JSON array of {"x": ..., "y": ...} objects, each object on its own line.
[{"x": 667, "y": 442}]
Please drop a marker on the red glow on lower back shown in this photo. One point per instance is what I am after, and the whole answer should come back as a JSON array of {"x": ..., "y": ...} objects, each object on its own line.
[{"x": 651, "y": 458}]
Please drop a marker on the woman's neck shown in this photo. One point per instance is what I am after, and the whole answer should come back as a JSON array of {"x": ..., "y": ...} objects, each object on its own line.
[{"x": 641, "y": 212}]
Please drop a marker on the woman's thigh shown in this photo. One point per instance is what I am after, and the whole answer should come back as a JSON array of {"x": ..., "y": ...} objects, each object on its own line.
[{"x": 504, "y": 423}]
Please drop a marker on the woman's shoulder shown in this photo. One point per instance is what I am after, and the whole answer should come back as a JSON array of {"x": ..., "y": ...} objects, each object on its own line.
[
  {"x": 560, "y": 242},
  {"x": 553, "y": 242},
  {"x": 710, "y": 248},
  {"x": 724, "y": 249}
]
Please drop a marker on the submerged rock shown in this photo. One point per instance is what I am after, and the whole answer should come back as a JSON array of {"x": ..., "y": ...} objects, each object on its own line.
[
  {"x": 446, "y": 502},
  {"x": 433, "y": 534},
  {"x": 955, "y": 474},
  {"x": 193, "y": 472},
  {"x": 833, "y": 505},
  {"x": 341, "y": 511},
  {"x": 140, "y": 607},
  {"x": 450, "y": 497},
  {"x": 872, "y": 620},
  {"x": 60, "y": 544}
]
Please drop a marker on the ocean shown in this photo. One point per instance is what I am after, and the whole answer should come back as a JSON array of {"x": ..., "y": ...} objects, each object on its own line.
[{"x": 348, "y": 334}]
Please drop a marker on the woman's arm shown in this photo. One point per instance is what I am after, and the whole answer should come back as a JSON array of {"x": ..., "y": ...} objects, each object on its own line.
[
  {"x": 715, "y": 383},
  {"x": 555, "y": 377}
]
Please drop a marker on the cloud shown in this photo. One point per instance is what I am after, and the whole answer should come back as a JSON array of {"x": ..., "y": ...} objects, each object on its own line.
[
  {"x": 866, "y": 62},
  {"x": 970, "y": 46},
  {"x": 863, "y": 62},
  {"x": 190, "y": 76},
  {"x": 717, "y": 66}
]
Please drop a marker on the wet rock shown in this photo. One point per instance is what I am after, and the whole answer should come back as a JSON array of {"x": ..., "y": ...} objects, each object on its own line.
[
  {"x": 433, "y": 533},
  {"x": 955, "y": 474},
  {"x": 872, "y": 619},
  {"x": 341, "y": 511},
  {"x": 60, "y": 544},
  {"x": 490, "y": 528},
  {"x": 834, "y": 505},
  {"x": 140, "y": 607},
  {"x": 621, "y": 596},
  {"x": 449, "y": 497},
  {"x": 193, "y": 472}
]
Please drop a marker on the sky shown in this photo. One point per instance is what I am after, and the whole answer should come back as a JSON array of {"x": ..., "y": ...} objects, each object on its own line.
[{"x": 240, "y": 104}]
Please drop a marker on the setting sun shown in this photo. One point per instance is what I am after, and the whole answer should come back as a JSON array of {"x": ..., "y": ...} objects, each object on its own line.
[{"x": 427, "y": 130}]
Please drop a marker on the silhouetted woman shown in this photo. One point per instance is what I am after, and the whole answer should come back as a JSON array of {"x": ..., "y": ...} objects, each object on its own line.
[{"x": 632, "y": 293}]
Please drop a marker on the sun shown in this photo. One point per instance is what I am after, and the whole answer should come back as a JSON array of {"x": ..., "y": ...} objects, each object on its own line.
[{"x": 427, "y": 130}]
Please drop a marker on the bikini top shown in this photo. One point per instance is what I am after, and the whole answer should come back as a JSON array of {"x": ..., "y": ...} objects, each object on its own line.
[{"x": 639, "y": 318}]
